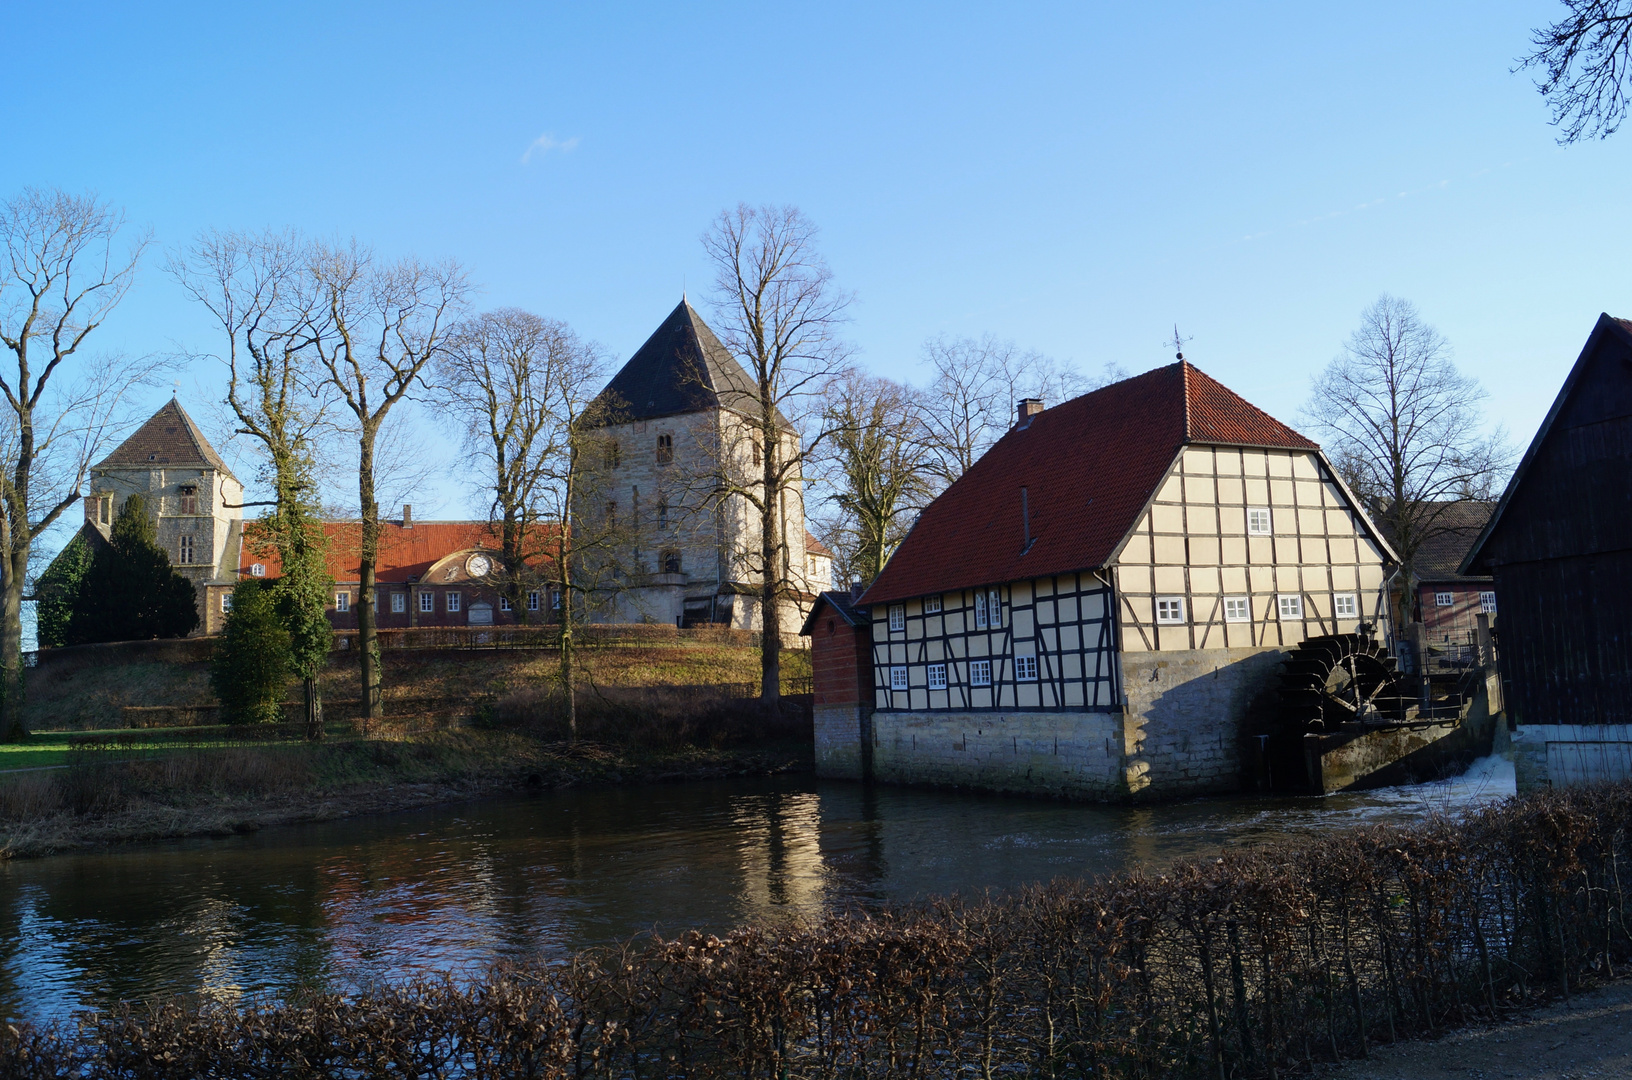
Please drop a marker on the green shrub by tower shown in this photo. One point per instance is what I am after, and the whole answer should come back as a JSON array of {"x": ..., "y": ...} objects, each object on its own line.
[
  {"x": 129, "y": 592},
  {"x": 254, "y": 661}
]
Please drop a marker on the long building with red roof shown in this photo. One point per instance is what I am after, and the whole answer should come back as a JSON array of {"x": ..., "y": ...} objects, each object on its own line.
[{"x": 1093, "y": 607}]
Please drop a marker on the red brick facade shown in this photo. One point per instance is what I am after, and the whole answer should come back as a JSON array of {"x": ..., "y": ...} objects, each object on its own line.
[{"x": 841, "y": 656}]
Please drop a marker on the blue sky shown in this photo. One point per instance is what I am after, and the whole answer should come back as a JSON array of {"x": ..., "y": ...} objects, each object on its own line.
[{"x": 1077, "y": 177}]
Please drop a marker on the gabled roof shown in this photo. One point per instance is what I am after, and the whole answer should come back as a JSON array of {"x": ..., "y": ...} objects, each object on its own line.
[
  {"x": 682, "y": 368},
  {"x": 405, "y": 553},
  {"x": 839, "y": 600},
  {"x": 814, "y": 546},
  {"x": 1606, "y": 325},
  {"x": 1456, "y": 526},
  {"x": 1089, "y": 466},
  {"x": 168, "y": 438}
]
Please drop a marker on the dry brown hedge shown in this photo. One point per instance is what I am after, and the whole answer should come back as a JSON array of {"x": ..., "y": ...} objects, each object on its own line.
[{"x": 1255, "y": 964}]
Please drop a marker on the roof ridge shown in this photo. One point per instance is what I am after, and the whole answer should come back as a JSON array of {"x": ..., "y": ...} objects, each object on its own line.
[{"x": 1184, "y": 374}]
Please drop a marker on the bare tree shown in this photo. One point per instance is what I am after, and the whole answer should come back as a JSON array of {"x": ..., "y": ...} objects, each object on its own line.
[
  {"x": 61, "y": 274},
  {"x": 382, "y": 324},
  {"x": 516, "y": 383},
  {"x": 874, "y": 458},
  {"x": 971, "y": 397},
  {"x": 261, "y": 293},
  {"x": 1586, "y": 64},
  {"x": 1404, "y": 426},
  {"x": 778, "y": 314}
]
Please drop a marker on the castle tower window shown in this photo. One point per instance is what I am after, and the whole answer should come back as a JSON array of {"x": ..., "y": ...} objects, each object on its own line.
[
  {"x": 662, "y": 513},
  {"x": 188, "y": 502},
  {"x": 665, "y": 449},
  {"x": 614, "y": 454},
  {"x": 671, "y": 562},
  {"x": 186, "y": 552}
]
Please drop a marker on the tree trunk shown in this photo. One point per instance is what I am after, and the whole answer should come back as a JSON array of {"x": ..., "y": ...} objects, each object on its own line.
[
  {"x": 13, "y": 725},
  {"x": 770, "y": 590},
  {"x": 314, "y": 711},
  {"x": 368, "y": 638}
]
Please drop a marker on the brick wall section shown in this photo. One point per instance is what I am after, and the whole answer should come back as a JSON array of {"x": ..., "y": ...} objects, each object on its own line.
[{"x": 842, "y": 670}]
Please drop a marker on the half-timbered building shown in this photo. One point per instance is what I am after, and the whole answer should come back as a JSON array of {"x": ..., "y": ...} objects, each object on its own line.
[{"x": 1093, "y": 607}]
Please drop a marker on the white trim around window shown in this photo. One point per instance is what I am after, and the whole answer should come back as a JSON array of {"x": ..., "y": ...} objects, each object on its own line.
[
  {"x": 1260, "y": 522},
  {"x": 1487, "y": 603},
  {"x": 980, "y": 673},
  {"x": 342, "y": 601},
  {"x": 399, "y": 603},
  {"x": 932, "y": 605},
  {"x": 937, "y": 676},
  {"x": 1290, "y": 606},
  {"x": 1346, "y": 605},
  {"x": 1444, "y": 599},
  {"x": 1237, "y": 609},
  {"x": 1170, "y": 610},
  {"x": 1025, "y": 667},
  {"x": 898, "y": 677},
  {"x": 455, "y": 600},
  {"x": 898, "y": 618},
  {"x": 427, "y": 602}
]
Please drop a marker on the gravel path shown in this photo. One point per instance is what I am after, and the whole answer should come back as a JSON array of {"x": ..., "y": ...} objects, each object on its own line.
[{"x": 1589, "y": 1037}]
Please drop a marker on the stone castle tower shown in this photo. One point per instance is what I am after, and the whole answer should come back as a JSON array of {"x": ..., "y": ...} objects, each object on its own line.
[{"x": 193, "y": 499}]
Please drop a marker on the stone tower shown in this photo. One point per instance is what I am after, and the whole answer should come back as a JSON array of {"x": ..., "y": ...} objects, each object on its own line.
[{"x": 194, "y": 501}]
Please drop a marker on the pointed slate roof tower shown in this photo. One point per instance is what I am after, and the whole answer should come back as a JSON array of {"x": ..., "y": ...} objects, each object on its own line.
[
  {"x": 682, "y": 368},
  {"x": 168, "y": 438}
]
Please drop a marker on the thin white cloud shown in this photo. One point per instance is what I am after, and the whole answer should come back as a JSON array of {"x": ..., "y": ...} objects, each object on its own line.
[{"x": 546, "y": 143}]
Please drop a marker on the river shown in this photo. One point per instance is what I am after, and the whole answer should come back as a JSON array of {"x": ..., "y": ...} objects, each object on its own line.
[{"x": 452, "y": 889}]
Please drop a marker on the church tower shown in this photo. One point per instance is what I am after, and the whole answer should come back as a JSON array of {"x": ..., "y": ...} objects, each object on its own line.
[{"x": 193, "y": 499}]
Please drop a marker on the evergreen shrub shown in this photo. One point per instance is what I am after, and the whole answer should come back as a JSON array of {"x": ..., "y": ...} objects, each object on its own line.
[{"x": 253, "y": 663}]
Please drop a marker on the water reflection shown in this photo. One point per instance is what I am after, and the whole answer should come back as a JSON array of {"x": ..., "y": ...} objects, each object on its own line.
[{"x": 348, "y": 903}]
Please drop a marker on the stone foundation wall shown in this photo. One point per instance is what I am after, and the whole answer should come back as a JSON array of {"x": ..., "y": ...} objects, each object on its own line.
[
  {"x": 1065, "y": 754},
  {"x": 1185, "y": 712},
  {"x": 843, "y": 733},
  {"x": 1570, "y": 755}
]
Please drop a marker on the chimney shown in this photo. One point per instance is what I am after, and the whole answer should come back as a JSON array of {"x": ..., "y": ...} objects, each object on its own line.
[
  {"x": 407, "y": 516},
  {"x": 1029, "y": 407},
  {"x": 856, "y": 589}
]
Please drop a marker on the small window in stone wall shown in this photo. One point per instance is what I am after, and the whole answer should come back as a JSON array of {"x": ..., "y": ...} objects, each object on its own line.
[
  {"x": 226, "y": 603},
  {"x": 937, "y": 676},
  {"x": 186, "y": 551},
  {"x": 665, "y": 449},
  {"x": 1444, "y": 599},
  {"x": 188, "y": 501},
  {"x": 980, "y": 673},
  {"x": 898, "y": 678}
]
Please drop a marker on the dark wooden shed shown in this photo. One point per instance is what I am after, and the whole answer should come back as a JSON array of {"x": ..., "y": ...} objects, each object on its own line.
[{"x": 1560, "y": 548}]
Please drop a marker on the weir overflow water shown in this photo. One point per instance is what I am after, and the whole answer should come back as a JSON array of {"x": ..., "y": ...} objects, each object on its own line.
[{"x": 455, "y": 889}]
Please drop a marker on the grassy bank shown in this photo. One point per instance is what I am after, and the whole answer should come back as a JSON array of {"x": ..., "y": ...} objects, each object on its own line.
[
  {"x": 503, "y": 729},
  {"x": 1258, "y": 964}
]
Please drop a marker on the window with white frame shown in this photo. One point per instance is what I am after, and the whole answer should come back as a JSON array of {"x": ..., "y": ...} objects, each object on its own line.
[
  {"x": 1444, "y": 599},
  {"x": 898, "y": 617},
  {"x": 1291, "y": 606},
  {"x": 504, "y": 603},
  {"x": 342, "y": 601},
  {"x": 932, "y": 604},
  {"x": 399, "y": 602},
  {"x": 226, "y": 603},
  {"x": 1236, "y": 610},
  {"x": 427, "y": 601},
  {"x": 1345, "y": 605},
  {"x": 455, "y": 601},
  {"x": 980, "y": 611},
  {"x": 898, "y": 678},
  {"x": 980, "y": 673},
  {"x": 532, "y": 600},
  {"x": 258, "y": 570},
  {"x": 555, "y": 599},
  {"x": 937, "y": 676},
  {"x": 1170, "y": 609},
  {"x": 1259, "y": 522},
  {"x": 1487, "y": 603},
  {"x": 1025, "y": 668},
  {"x": 994, "y": 608}
]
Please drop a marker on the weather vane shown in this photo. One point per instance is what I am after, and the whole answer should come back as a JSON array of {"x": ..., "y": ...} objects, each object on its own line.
[{"x": 1178, "y": 343}]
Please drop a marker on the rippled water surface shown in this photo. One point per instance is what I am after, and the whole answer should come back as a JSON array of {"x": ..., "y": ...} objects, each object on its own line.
[{"x": 453, "y": 889}]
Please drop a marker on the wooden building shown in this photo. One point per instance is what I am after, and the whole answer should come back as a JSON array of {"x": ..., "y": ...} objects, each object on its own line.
[
  {"x": 1446, "y": 601},
  {"x": 1093, "y": 607},
  {"x": 1559, "y": 547}
]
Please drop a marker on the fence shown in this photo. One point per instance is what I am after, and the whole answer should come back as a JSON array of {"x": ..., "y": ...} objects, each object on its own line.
[
  {"x": 549, "y": 636},
  {"x": 1250, "y": 965}
]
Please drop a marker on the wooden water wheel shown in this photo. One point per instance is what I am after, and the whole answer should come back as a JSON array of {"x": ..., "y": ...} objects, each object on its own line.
[{"x": 1340, "y": 679}]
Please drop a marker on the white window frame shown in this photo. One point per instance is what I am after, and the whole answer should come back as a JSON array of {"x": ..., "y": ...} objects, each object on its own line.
[
  {"x": 504, "y": 604},
  {"x": 1264, "y": 526},
  {"x": 1487, "y": 602},
  {"x": 1237, "y": 609},
  {"x": 980, "y": 673},
  {"x": 1170, "y": 610},
  {"x": 453, "y": 600},
  {"x": 898, "y": 618},
  {"x": 1289, "y": 606},
  {"x": 427, "y": 602},
  {"x": 399, "y": 603},
  {"x": 1444, "y": 599},
  {"x": 980, "y": 609},
  {"x": 342, "y": 600},
  {"x": 937, "y": 676},
  {"x": 532, "y": 600},
  {"x": 1346, "y": 606},
  {"x": 258, "y": 570},
  {"x": 932, "y": 605},
  {"x": 226, "y": 603},
  {"x": 994, "y": 609},
  {"x": 898, "y": 677},
  {"x": 1025, "y": 667}
]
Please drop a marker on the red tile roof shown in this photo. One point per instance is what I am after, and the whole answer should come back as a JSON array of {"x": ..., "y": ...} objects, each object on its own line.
[
  {"x": 1088, "y": 466},
  {"x": 405, "y": 554},
  {"x": 814, "y": 546}
]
